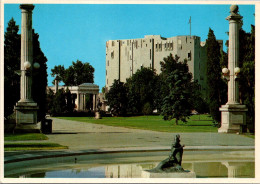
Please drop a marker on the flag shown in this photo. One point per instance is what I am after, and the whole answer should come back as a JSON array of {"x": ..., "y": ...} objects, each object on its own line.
[{"x": 189, "y": 20}]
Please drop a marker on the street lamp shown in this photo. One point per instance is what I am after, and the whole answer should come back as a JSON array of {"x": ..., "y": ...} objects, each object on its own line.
[
  {"x": 27, "y": 65},
  {"x": 36, "y": 65}
]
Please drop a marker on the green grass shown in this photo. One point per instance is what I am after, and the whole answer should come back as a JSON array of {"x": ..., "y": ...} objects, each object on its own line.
[
  {"x": 32, "y": 146},
  {"x": 196, "y": 123},
  {"x": 24, "y": 137},
  {"x": 250, "y": 136}
]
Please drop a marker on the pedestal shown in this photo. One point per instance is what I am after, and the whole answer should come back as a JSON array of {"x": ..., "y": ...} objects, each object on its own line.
[
  {"x": 97, "y": 115},
  {"x": 26, "y": 118},
  {"x": 149, "y": 174},
  {"x": 233, "y": 118}
]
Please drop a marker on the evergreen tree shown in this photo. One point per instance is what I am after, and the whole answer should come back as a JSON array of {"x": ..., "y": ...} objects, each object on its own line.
[
  {"x": 141, "y": 88},
  {"x": 12, "y": 61},
  {"x": 69, "y": 104},
  {"x": 59, "y": 103},
  {"x": 117, "y": 98},
  {"x": 247, "y": 74},
  {"x": 177, "y": 103},
  {"x": 12, "y": 57},
  {"x": 216, "y": 87},
  {"x": 39, "y": 82}
]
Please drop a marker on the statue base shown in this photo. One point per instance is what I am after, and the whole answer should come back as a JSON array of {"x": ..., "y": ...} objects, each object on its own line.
[
  {"x": 233, "y": 118},
  {"x": 185, "y": 174},
  {"x": 26, "y": 118},
  {"x": 97, "y": 115}
]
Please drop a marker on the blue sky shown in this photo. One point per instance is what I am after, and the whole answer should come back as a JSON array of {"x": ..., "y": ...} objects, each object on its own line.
[{"x": 70, "y": 32}]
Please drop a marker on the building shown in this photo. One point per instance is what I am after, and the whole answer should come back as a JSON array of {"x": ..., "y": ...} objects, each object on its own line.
[
  {"x": 80, "y": 94},
  {"x": 125, "y": 57}
]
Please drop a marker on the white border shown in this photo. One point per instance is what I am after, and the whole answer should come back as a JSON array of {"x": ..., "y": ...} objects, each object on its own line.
[{"x": 129, "y": 180}]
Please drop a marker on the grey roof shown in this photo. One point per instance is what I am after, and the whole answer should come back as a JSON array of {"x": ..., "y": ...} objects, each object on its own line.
[{"x": 88, "y": 84}]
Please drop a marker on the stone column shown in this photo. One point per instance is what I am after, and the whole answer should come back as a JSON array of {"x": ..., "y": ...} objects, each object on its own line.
[
  {"x": 94, "y": 102},
  {"x": 56, "y": 85},
  {"x": 233, "y": 114},
  {"x": 26, "y": 108},
  {"x": 26, "y": 53}
]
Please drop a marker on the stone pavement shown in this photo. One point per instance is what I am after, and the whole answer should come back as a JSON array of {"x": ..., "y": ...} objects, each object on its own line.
[{"x": 85, "y": 136}]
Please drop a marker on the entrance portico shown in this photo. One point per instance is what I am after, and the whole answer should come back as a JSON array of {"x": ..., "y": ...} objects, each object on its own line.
[{"x": 80, "y": 94}]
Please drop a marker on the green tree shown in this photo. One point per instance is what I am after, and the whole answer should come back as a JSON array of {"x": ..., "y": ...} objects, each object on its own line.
[
  {"x": 247, "y": 74},
  {"x": 216, "y": 87},
  {"x": 197, "y": 102},
  {"x": 39, "y": 80},
  {"x": 58, "y": 72},
  {"x": 141, "y": 90},
  {"x": 12, "y": 58},
  {"x": 69, "y": 104},
  {"x": 12, "y": 55},
  {"x": 177, "y": 103},
  {"x": 59, "y": 103},
  {"x": 75, "y": 75},
  {"x": 117, "y": 98}
]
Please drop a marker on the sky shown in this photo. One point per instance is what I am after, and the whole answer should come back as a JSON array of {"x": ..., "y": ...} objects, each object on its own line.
[{"x": 71, "y": 32}]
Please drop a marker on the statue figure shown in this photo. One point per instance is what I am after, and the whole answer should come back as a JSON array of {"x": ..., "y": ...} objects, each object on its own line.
[{"x": 173, "y": 162}]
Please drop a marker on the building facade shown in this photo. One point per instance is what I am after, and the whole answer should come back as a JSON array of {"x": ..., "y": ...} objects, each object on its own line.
[{"x": 125, "y": 57}]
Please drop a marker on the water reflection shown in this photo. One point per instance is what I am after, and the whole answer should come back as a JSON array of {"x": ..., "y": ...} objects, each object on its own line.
[{"x": 202, "y": 170}]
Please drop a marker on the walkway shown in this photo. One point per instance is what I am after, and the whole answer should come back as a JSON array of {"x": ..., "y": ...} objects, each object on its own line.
[{"x": 83, "y": 136}]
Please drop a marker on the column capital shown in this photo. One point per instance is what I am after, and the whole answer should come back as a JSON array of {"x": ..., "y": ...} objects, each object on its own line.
[{"x": 28, "y": 7}]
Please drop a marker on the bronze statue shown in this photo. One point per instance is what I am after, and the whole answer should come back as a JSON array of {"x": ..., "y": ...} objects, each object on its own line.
[{"x": 173, "y": 162}]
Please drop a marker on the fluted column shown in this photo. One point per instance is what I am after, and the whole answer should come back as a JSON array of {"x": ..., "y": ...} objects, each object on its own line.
[
  {"x": 233, "y": 55},
  {"x": 26, "y": 53}
]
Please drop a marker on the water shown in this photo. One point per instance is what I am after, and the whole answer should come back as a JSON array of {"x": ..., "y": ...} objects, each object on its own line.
[
  {"x": 202, "y": 170},
  {"x": 214, "y": 164}
]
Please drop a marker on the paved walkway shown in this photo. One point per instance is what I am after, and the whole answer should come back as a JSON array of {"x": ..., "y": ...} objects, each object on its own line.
[{"x": 84, "y": 136}]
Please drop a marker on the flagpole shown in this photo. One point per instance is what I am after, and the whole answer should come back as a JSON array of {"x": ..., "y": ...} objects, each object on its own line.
[{"x": 190, "y": 26}]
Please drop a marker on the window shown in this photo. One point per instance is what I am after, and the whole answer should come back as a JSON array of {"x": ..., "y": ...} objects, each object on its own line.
[
  {"x": 106, "y": 72},
  {"x": 189, "y": 56},
  {"x": 113, "y": 43},
  {"x": 107, "y": 62},
  {"x": 112, "y": 54},
  {"x": 150, "y": 54},
  {"x": 107, "y": 81}
]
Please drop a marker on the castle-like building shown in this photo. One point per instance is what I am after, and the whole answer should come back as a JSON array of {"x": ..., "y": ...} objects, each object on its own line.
[{"x": 125, "y": 57}]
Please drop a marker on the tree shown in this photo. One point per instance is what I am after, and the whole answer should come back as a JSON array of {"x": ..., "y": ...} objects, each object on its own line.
[
  {"x": 117, "y": 98},
  {"x": 177, "y": 103},
  {"x": 12, "y": 58},
  {"x": 141, "y": 90},
  {"x": 59, "y": 103},
  {"x": 59, "y": 72},
  {"x": 75, "y": 75},
  {"x": 247, "y": 74},
  {"x": 12, "y": 53},
  {"x": 39, "y": 80},
  {"x": 69, "y": 104},
  {"x": 216, "y": 87}
]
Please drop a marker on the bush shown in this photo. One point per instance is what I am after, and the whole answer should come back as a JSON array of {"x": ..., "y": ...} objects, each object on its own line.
[{"x": 147, "y": 109}]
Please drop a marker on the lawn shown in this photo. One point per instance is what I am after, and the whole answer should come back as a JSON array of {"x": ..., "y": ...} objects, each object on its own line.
[
  {"x": 196, "y": 123},
  {"x": 32, "y": 146},
  {"x": 24, "y": 137}
]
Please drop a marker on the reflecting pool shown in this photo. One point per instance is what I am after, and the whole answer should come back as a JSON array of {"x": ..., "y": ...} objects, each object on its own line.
[{"x": 207, "y": 164}]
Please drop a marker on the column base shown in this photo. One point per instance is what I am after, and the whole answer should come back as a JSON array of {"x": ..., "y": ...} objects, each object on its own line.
[
  {"x": 26, "y": 117},
  {"x": 233, "y": 118}
]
